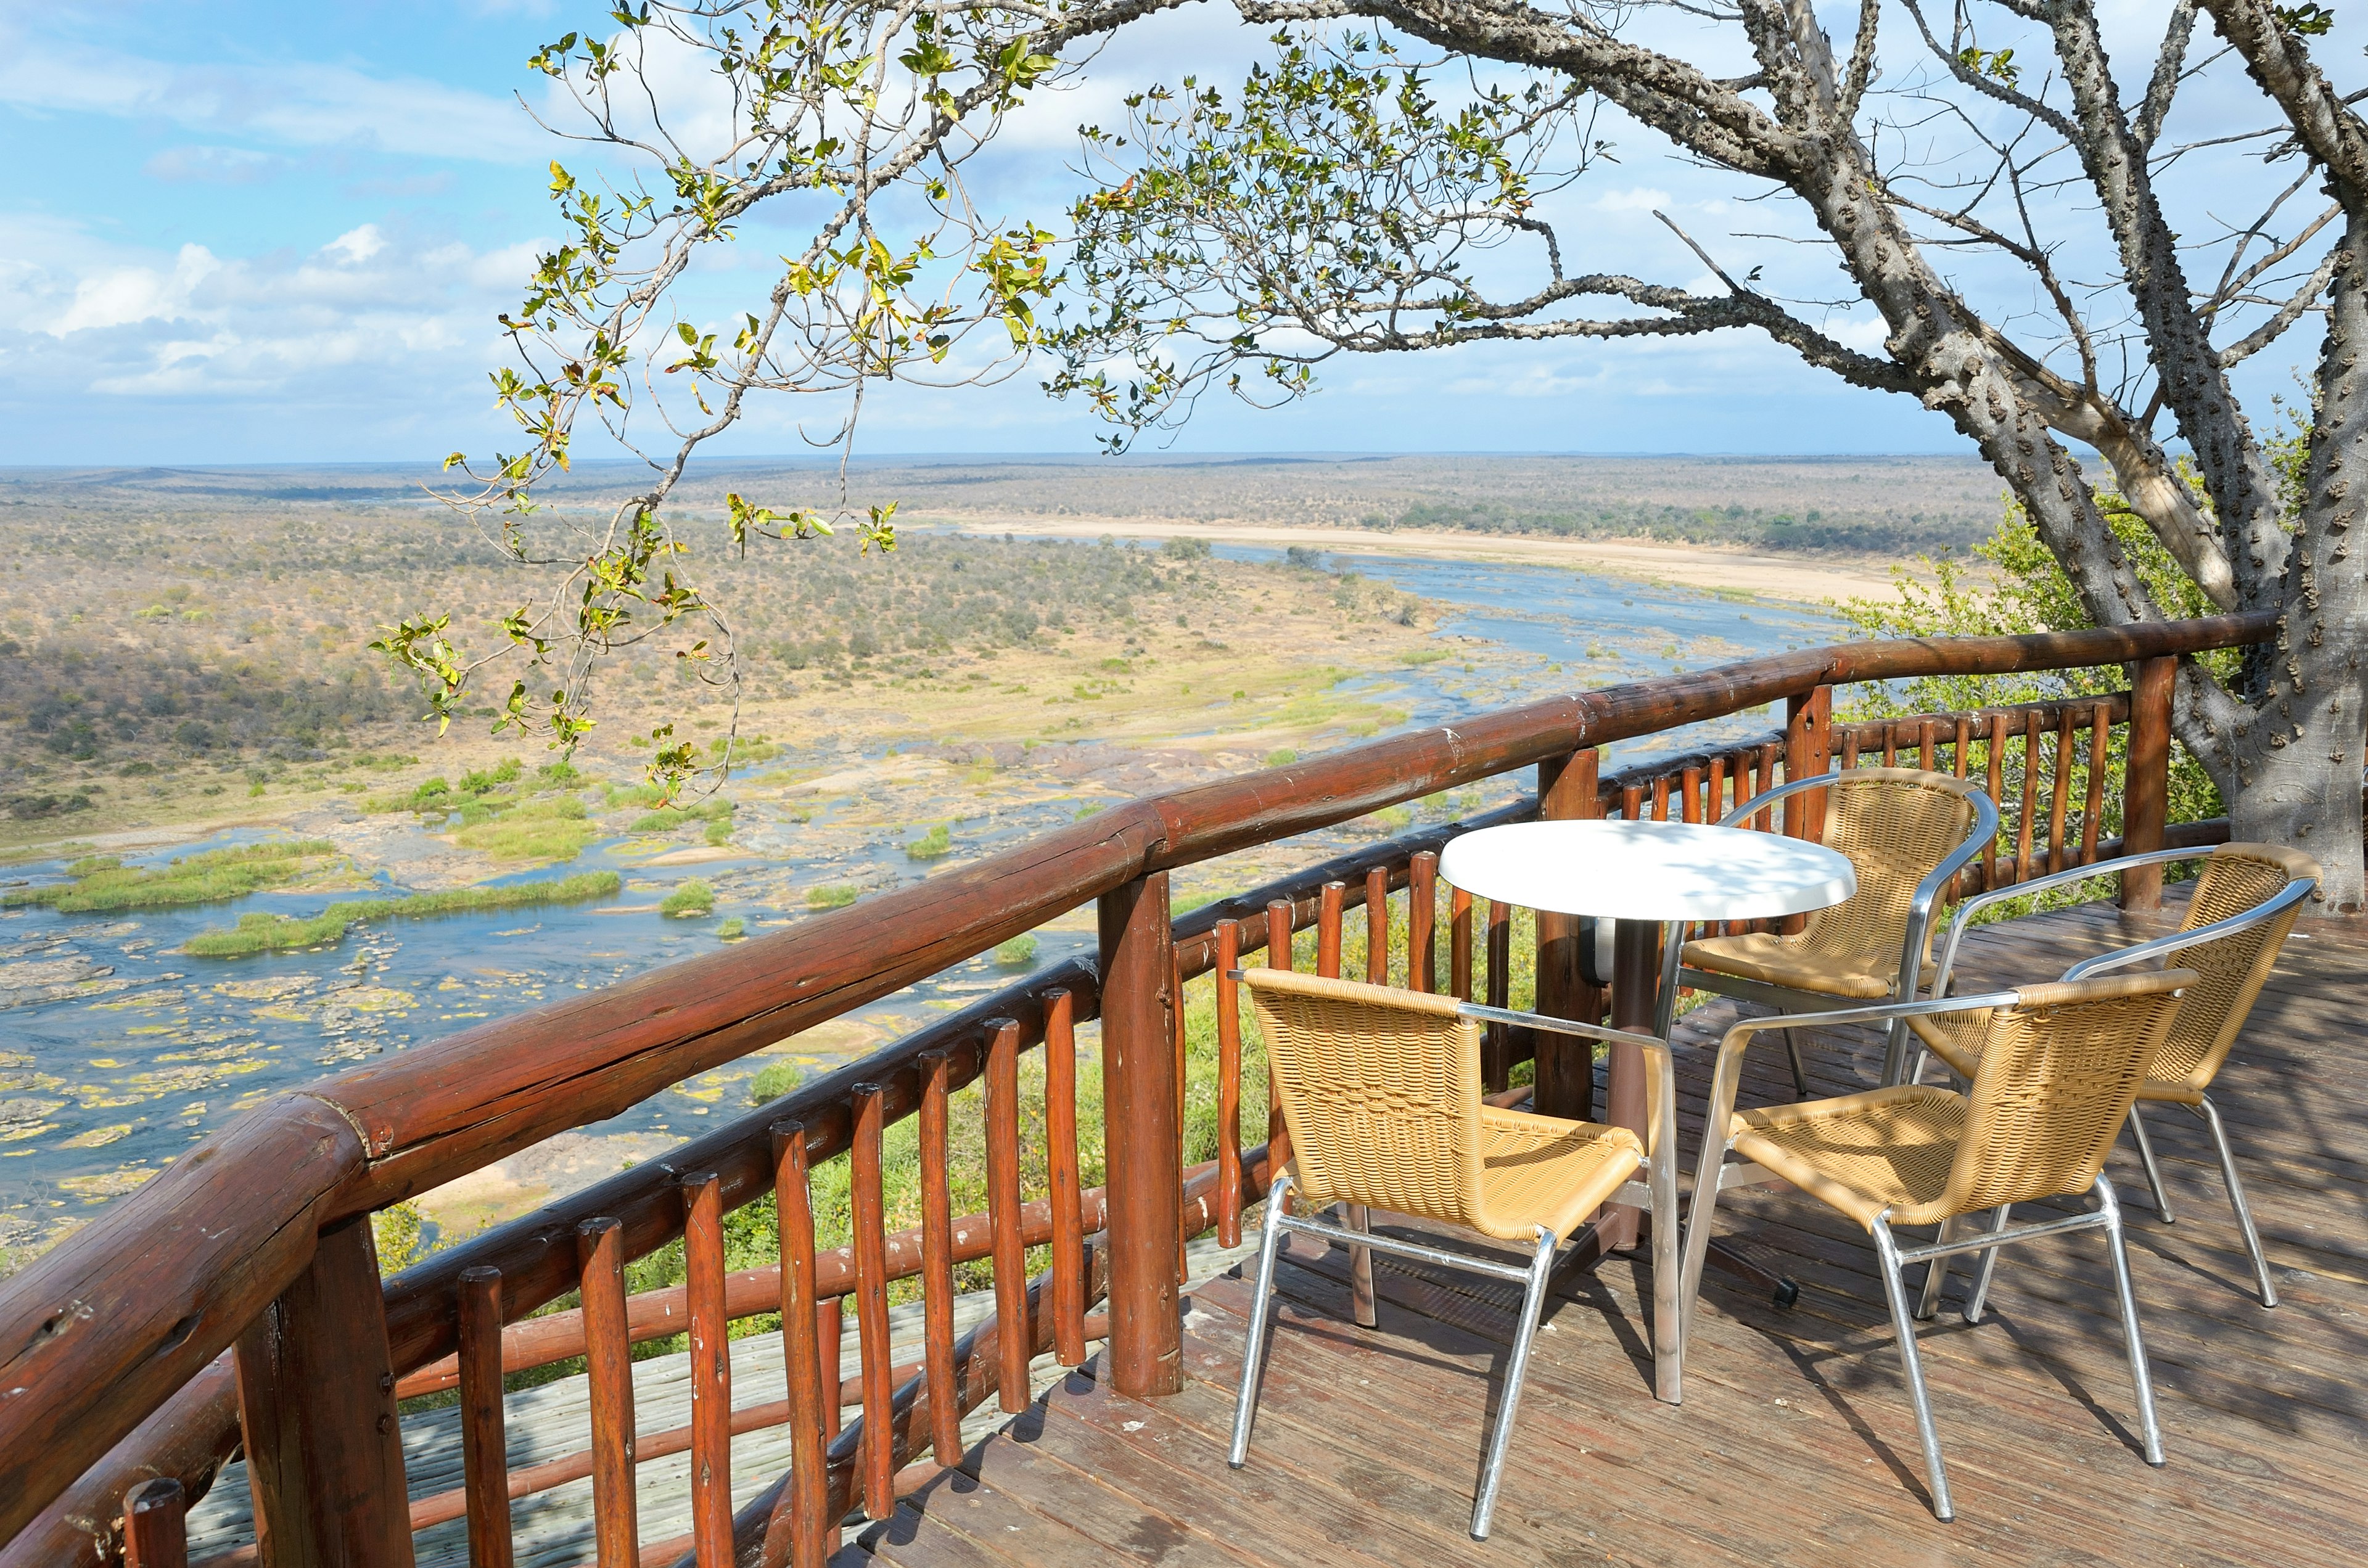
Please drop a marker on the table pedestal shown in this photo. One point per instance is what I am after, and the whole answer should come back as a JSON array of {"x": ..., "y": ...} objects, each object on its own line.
[{"x": 1636, "y": 989}]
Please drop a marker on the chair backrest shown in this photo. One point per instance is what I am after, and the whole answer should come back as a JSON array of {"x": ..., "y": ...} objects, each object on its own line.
[
  {"x": 2233, "y": 969},
  {"x": 2059, "y": 1073},
  {"x": 1381, "y": 1090},
  {"x": 1895, "y": 824}
]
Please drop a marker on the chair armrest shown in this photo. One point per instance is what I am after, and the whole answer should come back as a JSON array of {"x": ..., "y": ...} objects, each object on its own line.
[
  {"x": 1966, "y": 907},
  {"x": 1553, "y": 1025},
  {"x": 2269, "y": 908}
]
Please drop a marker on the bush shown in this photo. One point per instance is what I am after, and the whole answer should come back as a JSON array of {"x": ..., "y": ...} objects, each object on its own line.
[
  {"x": 773, "y": 1080},
  {"x": 934, "y": 844},
  {"x": 836, "y": 896},
  {"x": 1281, "y": 756},
  {"x": 1017, "y": 953},
  {"x": 694, "y": 897},
  {"x": 731, "y": 930}
]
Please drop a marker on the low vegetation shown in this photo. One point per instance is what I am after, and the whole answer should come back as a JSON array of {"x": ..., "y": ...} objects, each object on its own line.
[
  {"x": 104, "y": 882},
  {"x": 261, "y": 933},
  {"x": 832, "y": 895},
  {"x": 694, "y": 897},
  {"x": 934, "y": 844}
]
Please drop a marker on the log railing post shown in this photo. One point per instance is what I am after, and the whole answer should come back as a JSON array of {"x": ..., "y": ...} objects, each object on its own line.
[
  {"x": 316, "y": 1401},
  {"x": 1142, "y": 1128},
  {"x": 155, "y": 1530},
  {"x": 2145, "y": 780},
  {"x": 1566, "y": 1064},
  {"x": 1808, "y": 751}
]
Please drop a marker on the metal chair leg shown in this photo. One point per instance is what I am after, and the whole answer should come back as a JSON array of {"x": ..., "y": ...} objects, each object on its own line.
[
  {"x": 1254, "y": 1342},
  {"x": 2150, "y": 1431},
  {"x": 1360, "y": 1268},
  {"x": 1981, "y": 1292},
  {"x": 1532, "y": 1303},
  {"x": 2152, "y": 1171},
  {"x": 1668, "y": 1270},
  {"x": 1936, "y": 1274},
  {"x": 1895, "y": 1046},
  {"x": 2211, "y": 1114},
  {"x": 1903, "y": 1325},
  {"x": 1800, "y": 1070}
]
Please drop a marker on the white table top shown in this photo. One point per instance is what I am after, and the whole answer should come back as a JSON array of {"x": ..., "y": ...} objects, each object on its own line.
[{"x": 1647, "y": 870}]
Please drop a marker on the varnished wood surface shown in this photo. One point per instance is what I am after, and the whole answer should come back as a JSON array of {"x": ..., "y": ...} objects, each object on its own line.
[{"x": 1796, "y": 1444}]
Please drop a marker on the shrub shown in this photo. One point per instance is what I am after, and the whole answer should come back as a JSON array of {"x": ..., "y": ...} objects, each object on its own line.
[
  {"x": 694, "y": 897},
  {"x": 835, "y": 895},
  {"x": 1281, "y": 756},
  {"x": 934, "y": 844},
  {"x": 1017, "y": 953},
  {"x": 733, "y": 929},
  {"x": 773, "y": 1080}
]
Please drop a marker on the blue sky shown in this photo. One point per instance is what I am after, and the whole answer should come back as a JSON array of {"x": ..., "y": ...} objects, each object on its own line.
[{"x": 260, "y": 231}]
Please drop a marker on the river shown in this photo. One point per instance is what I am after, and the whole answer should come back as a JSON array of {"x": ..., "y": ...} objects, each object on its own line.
[{"x": 117, "y": 1051}]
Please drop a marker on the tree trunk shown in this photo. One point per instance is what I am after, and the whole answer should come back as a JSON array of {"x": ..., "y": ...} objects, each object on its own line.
[{"x": 2302, "y": 788}]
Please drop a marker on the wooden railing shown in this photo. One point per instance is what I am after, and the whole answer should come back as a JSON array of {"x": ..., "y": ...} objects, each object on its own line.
[{"x": 113, "y": 1373}]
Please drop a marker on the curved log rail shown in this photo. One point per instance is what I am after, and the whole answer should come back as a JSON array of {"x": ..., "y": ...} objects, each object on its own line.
[{"x": 115, "y": 1335}]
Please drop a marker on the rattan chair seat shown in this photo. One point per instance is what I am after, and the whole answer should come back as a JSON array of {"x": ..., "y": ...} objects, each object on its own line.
[
  {"x": 1864, "y": 974},
  {"x": 1862, "y": 1154},
  {"x": 1541, "y": 1170}
]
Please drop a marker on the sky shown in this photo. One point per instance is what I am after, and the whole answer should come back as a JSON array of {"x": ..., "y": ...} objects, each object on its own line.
[{"x": 260, "y": 231}]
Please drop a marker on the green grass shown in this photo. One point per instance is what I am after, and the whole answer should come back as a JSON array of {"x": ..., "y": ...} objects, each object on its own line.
[
  {"x": 432, "y": 795},
  {"x": 1281, "y": 756},
  {"x": 103, "y": 882},
  {"x": 261, "y": 933},
  {"x": 536, "y": 830},
  {"x": 694, "y": 897},
  {"x": 1017, "y": 953},
  {"x": 934, "y": 844},
  {"x": 836, "y": 896},
  {"x": 666, "y": 819},
  {"x": 733, "y": 929}
]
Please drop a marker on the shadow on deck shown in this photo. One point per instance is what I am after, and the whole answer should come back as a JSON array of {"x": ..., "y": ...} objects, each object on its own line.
[{"x": 1796, "y": 1443}]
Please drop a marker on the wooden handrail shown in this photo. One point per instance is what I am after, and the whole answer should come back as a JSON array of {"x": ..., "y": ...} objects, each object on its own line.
[{"x": 100, "y": 1331}]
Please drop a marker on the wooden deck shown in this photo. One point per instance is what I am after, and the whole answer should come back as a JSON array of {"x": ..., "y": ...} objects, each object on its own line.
[{"x": 1796, "y": 1444}]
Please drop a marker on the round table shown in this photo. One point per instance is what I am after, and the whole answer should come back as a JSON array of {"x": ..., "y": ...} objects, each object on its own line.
[{"x": 1653, "y": 879}]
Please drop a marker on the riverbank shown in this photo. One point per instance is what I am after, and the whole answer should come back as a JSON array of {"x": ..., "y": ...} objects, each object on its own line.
[{"x": 1800, "y": 579}]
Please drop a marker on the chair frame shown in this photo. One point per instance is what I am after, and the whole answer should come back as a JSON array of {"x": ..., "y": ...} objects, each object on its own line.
[
  {"x": 1657, "y": 1195},
  {"x": 1713, "y": 1176},
  {"x": 2295, "y": 890},
  {"x": 1785, "y": 999}
]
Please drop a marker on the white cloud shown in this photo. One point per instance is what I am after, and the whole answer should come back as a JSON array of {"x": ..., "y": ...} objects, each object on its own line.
[
  {"x": 300, "y": 104},
  {"x": 1633, "y": 198},
  {"x": 370, "y": 315}
]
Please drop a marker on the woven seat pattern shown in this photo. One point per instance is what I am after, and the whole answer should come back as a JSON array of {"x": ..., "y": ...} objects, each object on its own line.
[
  {"x": 2056, "y": 1073},
  {"x": 1895, "y": 825},
  {"x": 1380, "y": 1092},
  {"x": 2231, "y": 973},
  {"x": 1862, "y": 1154}
]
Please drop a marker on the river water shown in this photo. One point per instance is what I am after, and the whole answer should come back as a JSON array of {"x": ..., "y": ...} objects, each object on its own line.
[{"x": 117, "y": 1050}]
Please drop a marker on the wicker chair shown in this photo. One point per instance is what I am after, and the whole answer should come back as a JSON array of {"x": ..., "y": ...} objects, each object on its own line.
[
  {"x": 2060, "y": 1064},
  {"x": 2236, "y": 923},
  {"x": 1380, "y": 1092},
  {"x": 1906, "y": 833}
]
